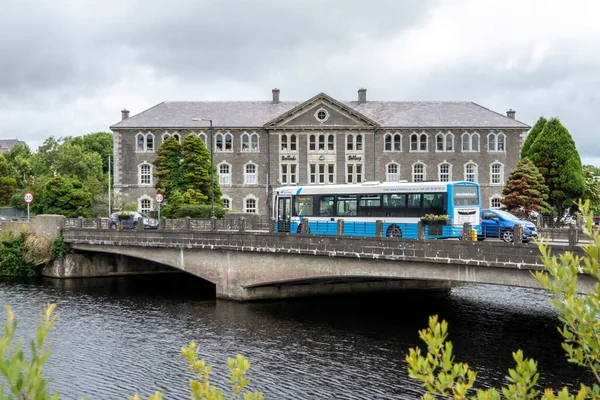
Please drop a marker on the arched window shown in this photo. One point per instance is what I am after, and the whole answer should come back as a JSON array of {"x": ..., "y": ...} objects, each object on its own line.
[
  {"x": 496, "y": 174},
  {"x": 474, "y": 142},
  {"x": 393, "y": 142},
  {"x": 444, "y": 142},
  {"x": 496, "y": 202},
  {"x": 439, "y": 142},
  {"x": 418, "y": 172},
  {"x": 492, "y": 142},
  {"x": 226, "y": 202},
  {"x": 219, "y": 140},
  {"x": 145, "y": 174},
  {"x": 293, "y": 143},
  {"x": 397, "y": 142},
  {"x": 418, "y": 142},
  {"x": 500, "y": 140},
  {"x": 202, "y": 137},
  {"x": 444, "y": 172},
  {"x": 254, "y": 142},
  {"x": 312, "y": 143},
  {"x": 330, "y": 143},
  {"x": 471, "y": 172},
  {"x": 228, "y": 142},
  {"x": 470, "y": 142},
  {"x": 321, "y": 142},
  {"x": 245, "y": 142},
  {"x": 149, "y": 142},
  {"x": 250, "y": 204},
  {"x": 423, "y": 142},
  {"x": 359, "y": 143},
  {"x": 140, "y": 139},
  {"x": 496, "y": 141},
  {"x": 250, "y": 141},
  {"x": 144, "y": 142},
  {"x": 387, "y": 144},
  {"x": 350, "y": 143},
  {"x": 145, "y": 204},
  {"x": 284, "y": 142},
  {"x": 250, "y": 176},
  {"x": 224, "y": 174},
  {"x": 393, "y": 173}
]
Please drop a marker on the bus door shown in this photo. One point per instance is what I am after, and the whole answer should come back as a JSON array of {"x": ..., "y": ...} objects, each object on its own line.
[{"x": 284, "y": 209}]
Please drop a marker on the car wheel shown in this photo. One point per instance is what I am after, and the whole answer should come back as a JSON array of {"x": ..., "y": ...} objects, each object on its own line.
[
  {"x": 480, "y": 238},
  {"x": 393, "y": 231},
  {"x": 507, "y": 236}
]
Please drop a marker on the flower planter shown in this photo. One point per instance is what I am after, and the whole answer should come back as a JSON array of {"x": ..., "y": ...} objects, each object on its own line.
[{"x": 434, "y": 227}]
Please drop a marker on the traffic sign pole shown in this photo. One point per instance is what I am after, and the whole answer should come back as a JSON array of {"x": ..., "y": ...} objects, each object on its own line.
[
  {"x": 159, "y": 199},
  {"x": 28, "y": 198}
]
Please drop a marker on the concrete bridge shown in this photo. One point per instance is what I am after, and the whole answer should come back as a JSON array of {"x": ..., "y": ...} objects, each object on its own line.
[{"x": 265, "y": 265}]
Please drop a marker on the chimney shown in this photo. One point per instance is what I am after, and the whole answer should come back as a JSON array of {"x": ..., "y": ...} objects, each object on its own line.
[
  {"x": 275, "y": 96},
  {"x": 511, "y": 114},
  {"x": 124, "y": 114},
  {"x": 362, "y": 96}
]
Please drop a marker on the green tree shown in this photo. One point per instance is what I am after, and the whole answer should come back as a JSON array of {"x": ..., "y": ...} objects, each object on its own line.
[
  {"x": 8, "y": 184},
  {"x": 19, "y": 164},
  {"x": 592, "y": 188},
  {"x": 167, "y": 167},
  {"x": 525, "y": 191},
  {"x": 532, "y": 136},
  {"x": 554, "y": 153},
  {"x": 442, "y": 377},
  {"x": 196, "y": 178},
  {"x": 63, "y": 195}
]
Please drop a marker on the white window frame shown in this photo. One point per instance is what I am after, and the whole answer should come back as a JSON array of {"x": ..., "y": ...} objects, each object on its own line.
[
  {"x": 145, "y": 198},
  {"x": 389, "y": 175},
  {"x": 250, "y": 178},
  {"x": 495, "y": 197},
  {"x": 245, "y": 204},
  {"x": 499, "y": 174},
  {"x": 447, "y": 138},
  {"x": 150, "y": 174},
  {"x": 352, "y": 175},
  {"x": 286, "y": 177},
  {"x": 354, "y": 146},
  {"x": 495, "y": 148},
  {"x": 476, "y": 173},
  {"x": 470, "y": 148},
  {"x": 167, "y": 134},
  {"x": 424, "y": 172},
  {"x": 204, "y": 139},
  {"x": 449, "y": 173},
  {"x": 229, "y": 199},
  {"x": 224, "y": 136},
  {"x": 325, "y": 172},
  {"x": 250, "y": 137},
  {"x": 224, "y": 179},
  {"x": 145, "y": 137},
  {"x": 421, "y": 137},
  {"x": 392, "y": 140}
]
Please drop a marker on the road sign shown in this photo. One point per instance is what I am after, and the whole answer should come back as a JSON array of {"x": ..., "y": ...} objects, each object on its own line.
[
  {"x": 28, "y": 197},
  {"x": 159, "y": 198}
]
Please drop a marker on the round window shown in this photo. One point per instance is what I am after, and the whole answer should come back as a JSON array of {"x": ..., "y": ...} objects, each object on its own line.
[{"x": 321, "y": 115}]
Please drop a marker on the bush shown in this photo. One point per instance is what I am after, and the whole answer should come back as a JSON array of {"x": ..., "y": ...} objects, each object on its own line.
[
  {"x": 199, "y": 211},
  {"x": 59, "y": 248},
  {"x": 12, "y": 257}
]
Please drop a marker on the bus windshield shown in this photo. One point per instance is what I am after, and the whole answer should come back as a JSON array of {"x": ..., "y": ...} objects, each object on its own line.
[{"x": 465, "y": 196}]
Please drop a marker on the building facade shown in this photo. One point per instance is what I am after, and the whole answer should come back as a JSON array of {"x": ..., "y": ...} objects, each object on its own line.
[{"x": 260, "y": 145}]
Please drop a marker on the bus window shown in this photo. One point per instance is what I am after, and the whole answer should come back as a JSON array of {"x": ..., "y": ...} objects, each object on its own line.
[
  {"x": 413, "y": 205},
  {"x": 394, "y": 200},
  {"x": 303, "y": 205},
  {"x": 433, "y": 203},
  {"x": 465, "y": 196},
  {"x": 370, "y": 201},
  {"x": 346, "y": 206},
  {"x": 326, "y": 206}
]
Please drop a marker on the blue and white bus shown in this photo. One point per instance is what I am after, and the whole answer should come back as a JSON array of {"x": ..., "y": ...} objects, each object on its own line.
[{"x": 399, "y": 206}]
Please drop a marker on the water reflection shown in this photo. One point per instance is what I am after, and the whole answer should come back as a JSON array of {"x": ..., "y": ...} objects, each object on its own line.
[{"x": 118, "y": 336}]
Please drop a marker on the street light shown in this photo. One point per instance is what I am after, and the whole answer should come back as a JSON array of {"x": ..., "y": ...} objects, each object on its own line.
[{"x": 212, "y": 179}]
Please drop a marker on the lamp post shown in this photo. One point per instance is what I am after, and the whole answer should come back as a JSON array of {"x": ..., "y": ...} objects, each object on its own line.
[{"x": 212, "y": 172}]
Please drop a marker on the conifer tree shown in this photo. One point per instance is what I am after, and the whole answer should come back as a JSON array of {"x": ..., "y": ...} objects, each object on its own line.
[
  {"x": 533, "y": 134},
  {"x": 167, "y": 166},
  {"x": 554, "y": 153},
  {"x": 196, "y": 175},
  {"x": 525, "y": 191}
]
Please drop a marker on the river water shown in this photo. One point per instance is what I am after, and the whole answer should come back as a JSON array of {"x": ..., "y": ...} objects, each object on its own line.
[{"x": 119, "y": 336}]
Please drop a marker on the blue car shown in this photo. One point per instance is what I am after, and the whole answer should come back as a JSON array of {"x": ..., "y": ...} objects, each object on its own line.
[{"x": 501, "y": 224}]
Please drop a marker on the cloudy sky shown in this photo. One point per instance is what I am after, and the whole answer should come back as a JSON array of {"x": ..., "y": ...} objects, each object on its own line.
[{"x": 68, "y": 67}]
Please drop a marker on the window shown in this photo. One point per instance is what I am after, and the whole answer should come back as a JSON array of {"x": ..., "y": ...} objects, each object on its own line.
[
  {"x": 284, "y": 143},
  {"x": 145, "y": 174},
  {"x": 444, "y": 142},
  {"x": 354, "y": 143},
  {"x": 322, "y": 173},
  {"x": 418, "y": 172},
  {"x": 497, "y": 174},
  {"x": 250, "y": 174},
  {"x": 224, "y": 174},
  {"x": 330, "y": 143},
  {"x": 444, "y": 172},
  {"x": 167, "y": 135},
  {"x": 311, "y": 144},
  {"x": 289, "y": 174},
  {"x": 226, "y": 202},
  {"x": 326, "y": 206},
  {"x": 145, "y": 205},
  {"x": 144, "y": 142},
  {"x": 303, "y": 205},
  {"x": 293, "y": 143},
  {"x": 496, "y": 141},
  {"x": 224, "y": 142},
  {"x": 470, "y": 142},
  {"x": 249, "y": 141},
  {"x": 347, "y": 205},
  {"x": 393, "y": 173},
  {"x": 354, "y": 173},
  {"x": 418, "y": 142},
  {"x": 202, "y": 137},
  {"x": 471, "y": 172},
  {"x": 321, "y": 142},
  {"x": 495, "y": 203},
  {"x": 250, "y": 205},
  {"x": 393, "y": 142},
  {"x": 321, "y": 115}
]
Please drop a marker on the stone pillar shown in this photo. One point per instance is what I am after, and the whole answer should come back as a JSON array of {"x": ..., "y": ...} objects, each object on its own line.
[
  {"x": 379, "y": 228},
  {"x": 420, "y": 231},
  {"x": 242, "y": 227},
  {"x": 340, "y": 227},
  {"x": 80, "y": 222},
  {"x": 518, "y": 234},
  {"x": 539, "y": 221},
  {"x": 304, "y": 226},
  {"x": 272, "y": 226},
  {"x": 573, "y": 235},
  {"x": 213, "y": 224},
  {"x": 99, "y": 223},
  {"x": 187, "y": 224},
  {"x": 140, "y": 224},
  {"x": 162, "y": 224},
  {"x": 467, "y": 235}
]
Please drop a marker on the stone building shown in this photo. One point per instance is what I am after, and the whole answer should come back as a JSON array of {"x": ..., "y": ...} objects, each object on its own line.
[
  {"x": 6, "y": 145},
  {"x": 259, "y": 145}
]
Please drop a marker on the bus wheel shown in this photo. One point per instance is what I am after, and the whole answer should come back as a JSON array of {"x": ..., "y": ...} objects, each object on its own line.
[{"x": 393, "y": 231}]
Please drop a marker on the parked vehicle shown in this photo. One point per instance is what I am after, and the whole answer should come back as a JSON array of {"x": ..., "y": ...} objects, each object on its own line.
[
  {"x": 129, "y": 219},
  {"x": 501, "y": 224}
]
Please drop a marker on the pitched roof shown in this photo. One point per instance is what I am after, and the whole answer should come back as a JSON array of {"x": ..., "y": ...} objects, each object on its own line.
[
  {"x": 9, "y": 143},
  {"x": 242, "y": 114}
]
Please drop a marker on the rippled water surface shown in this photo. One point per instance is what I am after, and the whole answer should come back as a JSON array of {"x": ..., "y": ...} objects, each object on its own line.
[{"x": 118, "y": 336}]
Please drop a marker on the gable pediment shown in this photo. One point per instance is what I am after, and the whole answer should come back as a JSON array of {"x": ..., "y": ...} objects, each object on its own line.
[{"x": 322, "y": 112}]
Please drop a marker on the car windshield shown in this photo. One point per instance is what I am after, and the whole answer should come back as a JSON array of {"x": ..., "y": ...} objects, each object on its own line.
[{"x": 506, "y": 215}]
